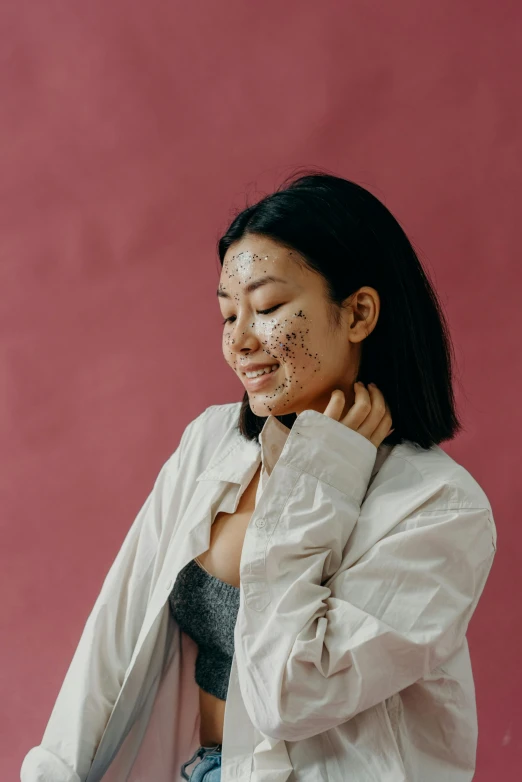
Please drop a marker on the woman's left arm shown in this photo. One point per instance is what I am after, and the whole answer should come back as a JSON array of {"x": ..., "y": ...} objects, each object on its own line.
[{"x": 311, "y": 656}]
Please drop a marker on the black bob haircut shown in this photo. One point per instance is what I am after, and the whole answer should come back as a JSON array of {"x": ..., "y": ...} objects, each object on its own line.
[{"x": 347, "y": 235}]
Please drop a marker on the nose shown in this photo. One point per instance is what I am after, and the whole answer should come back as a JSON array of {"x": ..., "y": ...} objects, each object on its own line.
[{"x": 243, "y": 338}]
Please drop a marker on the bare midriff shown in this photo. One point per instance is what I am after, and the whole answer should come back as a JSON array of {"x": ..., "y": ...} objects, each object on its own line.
[{"x": 222, "y": 560}]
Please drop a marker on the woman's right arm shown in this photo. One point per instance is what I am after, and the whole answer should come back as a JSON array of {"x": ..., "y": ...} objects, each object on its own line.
[{"x": 97, "y": 670}]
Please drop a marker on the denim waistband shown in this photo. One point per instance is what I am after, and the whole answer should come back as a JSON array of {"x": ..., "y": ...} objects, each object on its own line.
[{"x": 201, "y": 753}]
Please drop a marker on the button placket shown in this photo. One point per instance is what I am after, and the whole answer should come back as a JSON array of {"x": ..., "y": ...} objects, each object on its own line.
[
  {"x": 254, "y": 582},
  {"x": 260, "y": 541}
]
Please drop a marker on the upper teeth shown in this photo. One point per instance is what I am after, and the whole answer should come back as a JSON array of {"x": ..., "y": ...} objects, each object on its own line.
[{"x": 262, "y": 371}]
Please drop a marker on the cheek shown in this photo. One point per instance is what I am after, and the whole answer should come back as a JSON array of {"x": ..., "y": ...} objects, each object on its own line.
[
  {"x": 227, "y": 343},
  {"x": 289, "y": 341}
]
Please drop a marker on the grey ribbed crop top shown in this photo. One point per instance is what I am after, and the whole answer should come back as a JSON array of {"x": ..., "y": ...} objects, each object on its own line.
[{"x": 206, "y": 609}]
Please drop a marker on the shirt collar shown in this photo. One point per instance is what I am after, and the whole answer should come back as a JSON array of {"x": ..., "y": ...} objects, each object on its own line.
[
  {"x": 272, "y": 439},
  {"x": 239, "y": 462}
]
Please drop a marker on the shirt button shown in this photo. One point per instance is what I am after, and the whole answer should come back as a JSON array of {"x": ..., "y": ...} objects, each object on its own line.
[
  {"x": 260, "y": 522},
  {"x": 170, "y": 585}
]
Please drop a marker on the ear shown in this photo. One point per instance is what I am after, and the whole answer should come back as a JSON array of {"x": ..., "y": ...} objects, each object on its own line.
[{"x": 361, "y": 312}]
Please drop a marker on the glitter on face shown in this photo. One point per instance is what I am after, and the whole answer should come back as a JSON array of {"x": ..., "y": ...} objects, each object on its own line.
[{"x": 286, "y": 335}]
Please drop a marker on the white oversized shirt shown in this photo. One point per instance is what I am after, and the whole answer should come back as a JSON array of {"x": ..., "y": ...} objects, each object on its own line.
[{"x": 360, "y": 570}]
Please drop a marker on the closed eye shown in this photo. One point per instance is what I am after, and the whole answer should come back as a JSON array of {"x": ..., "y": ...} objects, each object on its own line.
[{"x": 232, "y": 318}]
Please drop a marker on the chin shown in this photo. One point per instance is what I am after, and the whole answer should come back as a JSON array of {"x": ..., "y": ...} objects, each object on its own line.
[{"x": 264, "y": 408}]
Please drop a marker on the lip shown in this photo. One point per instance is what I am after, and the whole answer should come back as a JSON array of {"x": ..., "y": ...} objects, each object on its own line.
[
  {"x": 255, "y": 383},
  {"x": 253, "y": 366}
]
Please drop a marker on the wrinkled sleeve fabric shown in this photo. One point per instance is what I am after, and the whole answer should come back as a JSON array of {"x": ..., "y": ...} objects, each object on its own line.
[
  {"x": 310, "y": 655},
  {"x": 97, "y": 670}
]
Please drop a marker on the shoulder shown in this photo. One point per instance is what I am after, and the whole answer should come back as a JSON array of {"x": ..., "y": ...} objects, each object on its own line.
[
  {"x": 217, "y": 420},
  {"x": 445, "y": 482},
  {"x": 211, "y": 430},
  {"x": 418, "y": 488}
]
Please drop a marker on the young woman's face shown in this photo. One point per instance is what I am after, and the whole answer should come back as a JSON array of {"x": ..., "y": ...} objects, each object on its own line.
[{"x": 277, "y": 318}]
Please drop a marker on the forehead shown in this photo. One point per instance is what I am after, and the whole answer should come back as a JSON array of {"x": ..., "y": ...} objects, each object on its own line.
[{"x": 253, "y": 256}]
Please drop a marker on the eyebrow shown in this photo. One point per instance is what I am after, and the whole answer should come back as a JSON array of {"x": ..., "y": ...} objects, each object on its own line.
[{"x": 252, "y": 286}]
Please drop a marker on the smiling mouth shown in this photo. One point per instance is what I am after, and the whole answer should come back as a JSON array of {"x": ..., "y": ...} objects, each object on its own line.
[
  {"x": 260, "y": 381},
  {"x": 261, "y": 372}
]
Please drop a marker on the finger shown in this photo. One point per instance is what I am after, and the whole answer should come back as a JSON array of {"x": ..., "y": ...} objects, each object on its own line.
[
  {"x": 335, "y": 406},
  {"x": 379, "y": 415},
  {"x": 382, "y": 432},
  {"x": 360, "y": 409},
  {"x": 379, "y": 411}
]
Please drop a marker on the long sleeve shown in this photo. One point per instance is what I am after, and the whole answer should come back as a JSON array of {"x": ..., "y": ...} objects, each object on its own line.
[
  {"x": 98, "y": 667},
  {"x": 317, "y": 640}
]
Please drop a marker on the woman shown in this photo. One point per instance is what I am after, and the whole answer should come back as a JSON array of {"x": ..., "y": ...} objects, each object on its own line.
[{"x": 291, "y": 602}]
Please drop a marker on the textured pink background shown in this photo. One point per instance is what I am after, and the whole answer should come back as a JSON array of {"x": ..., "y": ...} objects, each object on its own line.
[{"x": 128, "y": 132}]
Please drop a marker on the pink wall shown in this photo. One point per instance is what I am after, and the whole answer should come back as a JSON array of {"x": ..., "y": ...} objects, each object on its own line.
[{"x": 128, "y": 131}]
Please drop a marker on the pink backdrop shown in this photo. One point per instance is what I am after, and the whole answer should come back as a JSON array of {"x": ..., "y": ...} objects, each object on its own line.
[{"x": 128, "y": 132}]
